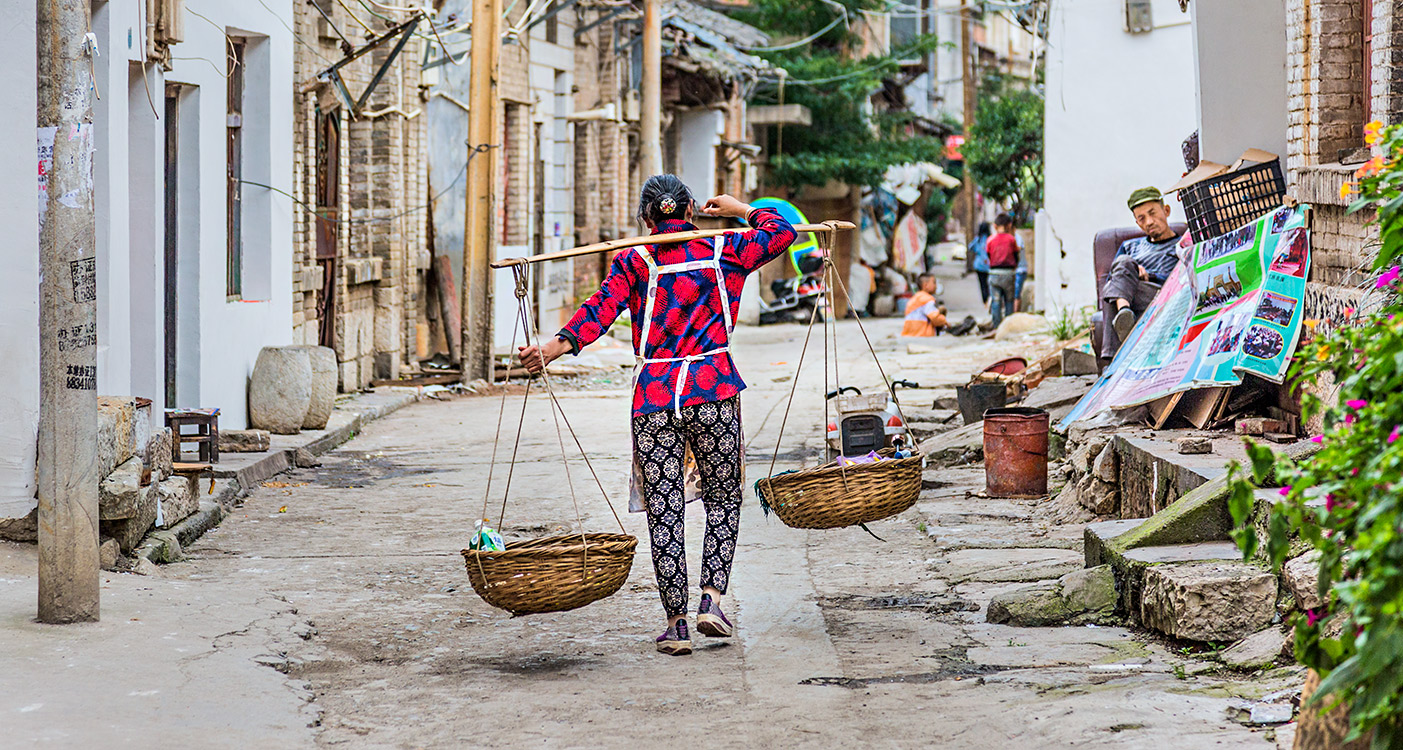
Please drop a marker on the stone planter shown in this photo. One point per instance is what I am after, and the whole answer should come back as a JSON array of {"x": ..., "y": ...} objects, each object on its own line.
[
  {"x": 1327, "y": 732},
  {"x": 323, "y": 361},
  {"x": 280, "y": 390}
]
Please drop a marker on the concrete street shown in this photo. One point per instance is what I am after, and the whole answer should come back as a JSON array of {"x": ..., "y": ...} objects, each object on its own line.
[{"x": 333, "y": 609}]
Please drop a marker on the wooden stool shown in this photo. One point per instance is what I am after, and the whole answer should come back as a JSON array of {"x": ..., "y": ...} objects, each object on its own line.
[{"x": 205, "y": 437}]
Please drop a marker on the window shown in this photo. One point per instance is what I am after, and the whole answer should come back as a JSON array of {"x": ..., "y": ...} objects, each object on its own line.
[
  {"x": 234, "y": 119},
  {"x": 553, "y": 23}
]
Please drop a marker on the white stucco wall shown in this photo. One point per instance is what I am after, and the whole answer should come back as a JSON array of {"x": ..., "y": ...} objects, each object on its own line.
[
  {"x": 1246, "y": 109},
  {"x": 19, "y": 262},
  {"x": 1118, "y": 107},
  {"x": 698, "y": 134},
  {"x": 219, "y": 339}
]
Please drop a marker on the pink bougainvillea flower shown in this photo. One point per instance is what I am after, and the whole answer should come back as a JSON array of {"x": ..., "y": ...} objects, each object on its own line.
[
  {"x": 1388, "y": 278},
  {"x": 1349, "y": 311},
  {"x": 1312, "y": 617},
  {"x": 1330, "y": 503},
  {"x": 1354, "y": 472},
  {"x": 1318, "y": 439},
  {"x": 1356, "y": 403},
  {"x": 1284, "y": 491},
  {"x": 1349, "y": 418},
  {"x": 1393, "y": 436}
]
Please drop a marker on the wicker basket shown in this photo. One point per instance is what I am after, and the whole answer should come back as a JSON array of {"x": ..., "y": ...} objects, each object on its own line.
[
  {"x": 832, "y": 496},
  {"x": 551, "y": 574}
]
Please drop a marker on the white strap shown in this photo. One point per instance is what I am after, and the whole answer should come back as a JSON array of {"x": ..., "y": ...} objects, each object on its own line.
[
  {"x": 721, "y": 284},
  {"x": 682, "y": 372}
]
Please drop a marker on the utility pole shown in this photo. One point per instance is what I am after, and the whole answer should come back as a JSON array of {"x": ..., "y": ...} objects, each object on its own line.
[
  {"x": 967, "y": 89},
  {"x": 482, "y": 172},
  {"x": 68, "y": 512},
  {"x": 650, "y": 119}
]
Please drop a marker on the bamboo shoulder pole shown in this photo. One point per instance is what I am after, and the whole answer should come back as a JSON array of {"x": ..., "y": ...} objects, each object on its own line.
[{"x": 656, "y": 239}]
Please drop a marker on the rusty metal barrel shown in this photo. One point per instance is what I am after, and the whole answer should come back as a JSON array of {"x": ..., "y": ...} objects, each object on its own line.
[{"x": 1015, "y": 452}]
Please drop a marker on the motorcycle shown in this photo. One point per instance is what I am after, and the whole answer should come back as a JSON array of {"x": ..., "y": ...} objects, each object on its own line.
[
  {"x": 796, "y": 298},
  {"x": 866, "y": 423}
]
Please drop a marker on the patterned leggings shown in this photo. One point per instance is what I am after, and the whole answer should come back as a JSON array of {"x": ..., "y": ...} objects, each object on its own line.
[{"x": 659, "y": 442}]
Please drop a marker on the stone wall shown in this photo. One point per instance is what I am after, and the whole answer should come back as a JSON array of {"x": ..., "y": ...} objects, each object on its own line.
[{"x": 378, "y": 274}]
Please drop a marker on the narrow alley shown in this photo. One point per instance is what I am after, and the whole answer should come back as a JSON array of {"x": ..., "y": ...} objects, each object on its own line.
[{"x": 363, "y": 606}]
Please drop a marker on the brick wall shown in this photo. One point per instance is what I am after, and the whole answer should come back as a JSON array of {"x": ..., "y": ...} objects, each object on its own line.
[
  {"x": 1327, "y": 109},
  {"x": 381, "y": 230}
]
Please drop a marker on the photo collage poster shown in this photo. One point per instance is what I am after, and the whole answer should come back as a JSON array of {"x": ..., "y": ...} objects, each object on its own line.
[{"x": 1232, "y": 306}]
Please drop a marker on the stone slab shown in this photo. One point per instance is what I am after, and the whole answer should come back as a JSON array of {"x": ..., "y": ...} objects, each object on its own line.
[
  {"x": 1194, "y": 552},
  {"x": 1256, "y": 651},
  {"x": 1301, "y": 576},
  {"x": 116, "y": 432},
  {"x": 119, "y": 493},
  {"x": 244, "y": 441},
  {"x": 1095, "y": 536},
  {"x": 1208, "y": 601}
]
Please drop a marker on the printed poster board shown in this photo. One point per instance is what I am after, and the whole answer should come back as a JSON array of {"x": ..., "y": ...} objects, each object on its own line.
[{"x": 1232, "y": 306}]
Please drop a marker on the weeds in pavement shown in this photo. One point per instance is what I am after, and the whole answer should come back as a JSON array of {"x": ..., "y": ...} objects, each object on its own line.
[{"x": 1070, "y": 323}]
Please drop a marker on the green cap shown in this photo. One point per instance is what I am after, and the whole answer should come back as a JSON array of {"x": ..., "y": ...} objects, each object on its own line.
[{"x": 1144, "y": 195}]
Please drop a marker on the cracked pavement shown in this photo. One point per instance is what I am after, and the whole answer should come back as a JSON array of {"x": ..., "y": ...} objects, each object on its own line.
[{"x": 347, "y": 619}]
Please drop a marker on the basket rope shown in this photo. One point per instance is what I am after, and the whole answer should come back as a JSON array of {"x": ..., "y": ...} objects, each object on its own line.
[
  {"x": 522, "y": 321},
  {"x": 832, "y": 282}
]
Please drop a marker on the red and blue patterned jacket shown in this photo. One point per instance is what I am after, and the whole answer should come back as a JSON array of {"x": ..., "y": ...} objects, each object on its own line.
[{"x": 687, "y": 315}]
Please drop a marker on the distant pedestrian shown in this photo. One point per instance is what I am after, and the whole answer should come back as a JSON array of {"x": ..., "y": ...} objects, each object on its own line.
[
  {"x": 1004, "y": 256},
  {"x": 683, "y": 298},
  {"x": 979, "y": 250}
]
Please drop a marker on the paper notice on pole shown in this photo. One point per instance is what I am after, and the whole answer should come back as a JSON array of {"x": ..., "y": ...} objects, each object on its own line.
[
  {"x": 46, "y": 165},
  {"x": 1233, "y": 307}
]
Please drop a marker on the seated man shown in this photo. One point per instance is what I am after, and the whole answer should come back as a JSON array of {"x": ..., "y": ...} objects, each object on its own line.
[
  {"x": 1140, "y": 268},
  {"x": 925, "y": 316}
]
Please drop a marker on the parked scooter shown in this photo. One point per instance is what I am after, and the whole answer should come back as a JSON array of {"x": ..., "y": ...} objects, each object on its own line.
[
  {"x": 795, "y": 298},
  {"x": 866, "y": 423}
]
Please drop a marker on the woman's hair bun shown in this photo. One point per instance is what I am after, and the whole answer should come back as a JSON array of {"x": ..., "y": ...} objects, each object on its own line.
[{"x": 664, "y": 197}]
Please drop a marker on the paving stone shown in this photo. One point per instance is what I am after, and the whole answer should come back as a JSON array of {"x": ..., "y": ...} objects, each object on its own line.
[
  {"x": 1208, "y": 601},
  {"x": 1256, "y": 651},
  {"x": 1301, "y": 576},
  {"x": 244, "y": 441},
  {"x": 1271, "y": 713}
]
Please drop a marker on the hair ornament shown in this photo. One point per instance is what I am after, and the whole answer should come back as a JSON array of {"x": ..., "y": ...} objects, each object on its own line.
[{"x": 667, "y": 204}]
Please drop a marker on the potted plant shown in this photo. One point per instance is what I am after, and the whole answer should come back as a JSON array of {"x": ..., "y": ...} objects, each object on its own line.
[{"x": 1346, "y": 500}]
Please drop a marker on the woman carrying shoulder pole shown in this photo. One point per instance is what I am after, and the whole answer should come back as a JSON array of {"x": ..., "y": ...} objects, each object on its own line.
[{"x": 683, "y": 299}]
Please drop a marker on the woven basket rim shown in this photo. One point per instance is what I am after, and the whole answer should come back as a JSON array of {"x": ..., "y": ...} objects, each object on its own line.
[
  {"x": 836, "y": 470},
  {"x": 560, "y": 546}
]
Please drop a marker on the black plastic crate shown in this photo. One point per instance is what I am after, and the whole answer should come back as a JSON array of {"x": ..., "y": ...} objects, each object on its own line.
[{"x": 1219, "y": 205}]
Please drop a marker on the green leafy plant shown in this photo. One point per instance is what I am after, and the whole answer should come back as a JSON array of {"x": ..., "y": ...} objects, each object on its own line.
[
  {"x": 1070, "y": 323},
  {"x": 1004, "y": 149},
  {"x": 844, "y": 142},
  {"x": 1346, "y": 500}
]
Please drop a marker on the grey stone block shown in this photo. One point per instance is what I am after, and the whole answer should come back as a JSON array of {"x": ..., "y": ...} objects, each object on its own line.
[
  {"x": 1302, "y": 576},
  {"x": 280, "y": 390},
  {"x": 119, "y": 493},
  {"x": 1256, "y": 651},
  {"x": 160, "y": 454},
  {"x": 129, "y": 531},
  {"x": 323, "y": 393},
  {"x": 244, "y": 441},
  {"x": 1208, "y": 601},
  {"x": 116, "y": 432},
  {"x": 108, "y": 553},
  {"x": 178, "y": 499}
]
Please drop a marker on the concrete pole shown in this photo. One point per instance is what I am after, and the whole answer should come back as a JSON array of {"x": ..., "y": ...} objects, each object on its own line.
[
  {"x": 68, "y": 513},
  {"x": 483, "y": 140},
  {"x": 970, "y": 99},
  {"x": 650, "y": 118}
]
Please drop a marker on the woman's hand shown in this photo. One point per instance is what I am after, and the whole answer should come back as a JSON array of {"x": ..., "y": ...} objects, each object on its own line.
[
  {"x": 535, "y": 358},
  {"x": 726, "y": 206}
]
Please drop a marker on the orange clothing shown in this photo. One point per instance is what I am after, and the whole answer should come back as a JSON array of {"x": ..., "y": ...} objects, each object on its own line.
[{"x": 923, "y": 316}]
